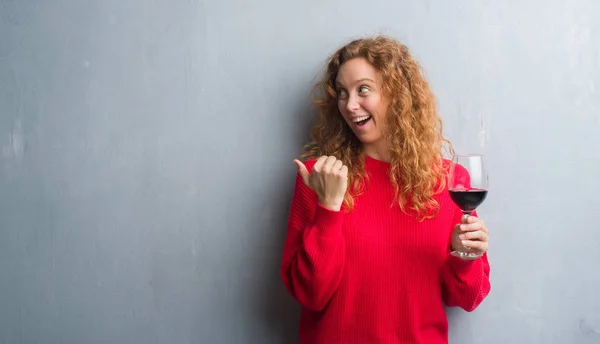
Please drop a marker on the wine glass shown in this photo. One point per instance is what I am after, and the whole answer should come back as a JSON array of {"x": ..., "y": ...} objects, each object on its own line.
[{"x": 468, "y": 187}]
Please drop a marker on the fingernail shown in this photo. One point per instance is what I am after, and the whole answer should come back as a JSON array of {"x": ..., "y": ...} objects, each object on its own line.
[
  {"x": 464, "y": 242},
  {"x": 462, "y": 236},
  {"x": 463, "y": 227}
]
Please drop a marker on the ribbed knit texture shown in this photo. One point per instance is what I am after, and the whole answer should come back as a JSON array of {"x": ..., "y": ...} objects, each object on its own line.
[{"x": 375, "y": 274}]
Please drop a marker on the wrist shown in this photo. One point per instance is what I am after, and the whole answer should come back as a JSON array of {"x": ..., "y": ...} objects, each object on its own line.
[{"x": 331, "y": 205}]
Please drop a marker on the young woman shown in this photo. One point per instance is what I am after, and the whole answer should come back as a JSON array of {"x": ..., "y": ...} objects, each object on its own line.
[{"x": 372, "y": 227}]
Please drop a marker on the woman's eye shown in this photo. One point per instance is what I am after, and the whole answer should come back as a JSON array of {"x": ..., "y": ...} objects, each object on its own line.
[
  {"x": 363, "y": 89},
  {"x": 341, "y": 94}
]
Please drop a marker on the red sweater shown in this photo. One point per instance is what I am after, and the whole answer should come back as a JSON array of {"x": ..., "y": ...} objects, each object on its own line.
[{"x": 375, "y": 274}]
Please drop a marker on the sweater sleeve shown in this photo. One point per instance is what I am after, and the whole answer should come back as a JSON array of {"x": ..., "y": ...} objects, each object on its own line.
[
  {"x": 465, "y": 282},
  {"x": 314, "y": 250}
]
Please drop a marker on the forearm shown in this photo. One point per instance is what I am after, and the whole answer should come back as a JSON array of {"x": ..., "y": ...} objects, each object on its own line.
[
  {"x": 314, "y": 252},
  {"x": 466, "y": 282}
]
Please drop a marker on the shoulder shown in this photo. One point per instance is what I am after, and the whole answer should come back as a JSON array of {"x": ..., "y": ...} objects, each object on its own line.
[{"x": 446, "y": 164}]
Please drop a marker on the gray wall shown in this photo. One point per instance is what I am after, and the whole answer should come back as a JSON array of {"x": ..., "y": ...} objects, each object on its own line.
[{"x": 146, "y": 160}]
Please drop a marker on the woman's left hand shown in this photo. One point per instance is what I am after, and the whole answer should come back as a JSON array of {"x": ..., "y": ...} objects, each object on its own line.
[{"x": 470, "y": 236}]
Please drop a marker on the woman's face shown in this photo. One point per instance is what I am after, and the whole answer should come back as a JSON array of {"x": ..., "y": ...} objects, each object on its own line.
[{"x": 361, "y": 100}]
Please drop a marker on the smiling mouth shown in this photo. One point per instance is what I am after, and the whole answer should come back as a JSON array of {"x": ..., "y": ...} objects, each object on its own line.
[{"x": 360, "y": 121}]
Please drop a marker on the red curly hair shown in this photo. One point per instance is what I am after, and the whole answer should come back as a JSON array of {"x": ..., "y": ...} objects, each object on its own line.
[{"x": 414, "y": 128}]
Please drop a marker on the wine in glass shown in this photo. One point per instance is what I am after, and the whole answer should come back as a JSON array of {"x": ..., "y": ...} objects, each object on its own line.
[{"x": 468, "y": 187}]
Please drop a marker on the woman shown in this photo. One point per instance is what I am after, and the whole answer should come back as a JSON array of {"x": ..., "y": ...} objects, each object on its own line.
[{"x": 371, "y": 225}]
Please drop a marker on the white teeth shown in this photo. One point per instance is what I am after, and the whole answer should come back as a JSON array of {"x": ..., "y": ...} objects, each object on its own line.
[{"x": 360, "y": 119}]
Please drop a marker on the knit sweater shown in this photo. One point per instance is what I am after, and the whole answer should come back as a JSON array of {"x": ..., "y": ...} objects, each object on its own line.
[{"x": 375, "y": 274}]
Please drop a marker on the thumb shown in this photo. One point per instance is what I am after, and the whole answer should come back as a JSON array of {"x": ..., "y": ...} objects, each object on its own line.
[
  {"x": 302, "y": 171},
  {"x": 465, "y": 219}
]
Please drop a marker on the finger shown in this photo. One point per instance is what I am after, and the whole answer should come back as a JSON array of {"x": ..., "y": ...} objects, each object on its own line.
[
  {"x": 344, "y": 171},
  {"x": 475, "y": 246},
  {"x": 319, "y": 164},
  {"x": 328, "y": 164},
  {"x": 478, "y": 226},
  {"x": 480, "y": 223},
  {"x": 337, "y": 165},
  {"x": 484, "y": 228},
  {"x": 472, "y": 219},
  {"x": 302, "y": 171},
  {"x": 478, "y": 235}
]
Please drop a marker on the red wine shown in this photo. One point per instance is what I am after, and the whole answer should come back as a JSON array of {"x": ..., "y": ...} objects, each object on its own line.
[{"x": 468, "y": 200}]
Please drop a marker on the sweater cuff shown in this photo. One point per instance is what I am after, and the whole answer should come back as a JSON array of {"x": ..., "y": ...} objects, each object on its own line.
[
  {"x": 327, "y": 221},
  {"x": 461, "y": 266}
]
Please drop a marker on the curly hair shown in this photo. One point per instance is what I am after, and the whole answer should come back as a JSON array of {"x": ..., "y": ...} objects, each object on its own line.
[{"x": 413, "y": 131}]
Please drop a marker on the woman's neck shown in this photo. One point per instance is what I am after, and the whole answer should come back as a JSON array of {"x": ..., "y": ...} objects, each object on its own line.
[{"x": 378, "y": 151}]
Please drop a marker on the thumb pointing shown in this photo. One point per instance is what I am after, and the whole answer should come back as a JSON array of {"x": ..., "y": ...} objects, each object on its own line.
[{"x": 302, "y": 171}]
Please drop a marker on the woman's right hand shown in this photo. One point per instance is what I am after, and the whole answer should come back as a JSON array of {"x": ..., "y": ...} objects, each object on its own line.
[{"x": 329, "y": 179}]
